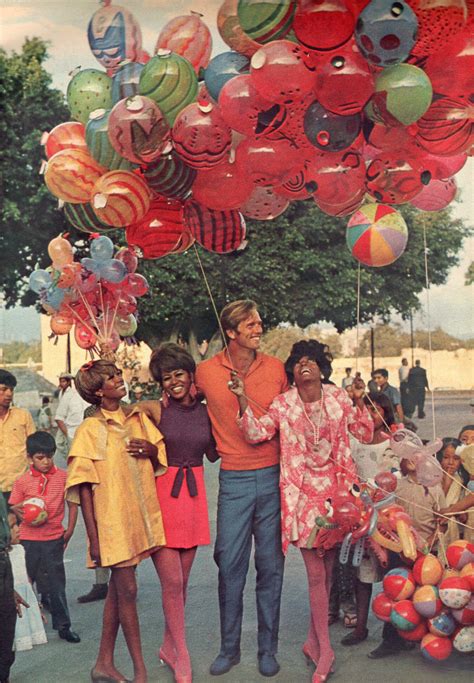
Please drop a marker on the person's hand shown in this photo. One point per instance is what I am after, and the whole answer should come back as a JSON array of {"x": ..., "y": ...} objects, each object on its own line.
[
  {"x": 19, "y": 603},
  {"x": 67, "y": 538},
  {"x": 94, "y": 551},
  {"x": 17, "y": 510},
  {"x": 236, "y": 384},
  {"x": 141, "y": 448}
]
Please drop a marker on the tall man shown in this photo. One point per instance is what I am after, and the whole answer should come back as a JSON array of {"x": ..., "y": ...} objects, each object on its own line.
[
  {"x": 70, "y": 410},
  {"x": 405, "y": 397},
  {"x": 249, "y": 498},
  {"x": 15, "y": 425},
  {"x": 418, "y": 383}
]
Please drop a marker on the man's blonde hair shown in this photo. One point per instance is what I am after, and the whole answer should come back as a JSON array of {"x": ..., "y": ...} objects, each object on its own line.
[{"x": 234, "y": 313}]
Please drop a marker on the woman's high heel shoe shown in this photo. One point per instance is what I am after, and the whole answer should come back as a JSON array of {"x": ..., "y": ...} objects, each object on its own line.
[
  {"x": 166, "y": 659},
  {"x": 325, "y": 670},
  {"x": 310, "y": 659}
]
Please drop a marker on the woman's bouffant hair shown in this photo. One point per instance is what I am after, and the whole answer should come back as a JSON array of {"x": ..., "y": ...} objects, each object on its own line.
[
  {"x": 90, "y": 378},
  {"x": 234, "y": 313},
  {"x": 314, "y": 350},
  {"x": 168, "y": 357}
]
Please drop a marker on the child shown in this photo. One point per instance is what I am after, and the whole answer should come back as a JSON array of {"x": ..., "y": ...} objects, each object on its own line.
[
  {"x": 370, "y": 460},
  {"x": 44, "y": 544},
  {"x": 111, "y": 467},
  {"x": 453, "y": 481},
  {"x": 422, "y": 504},
  {"x": 29, "y": 629}
]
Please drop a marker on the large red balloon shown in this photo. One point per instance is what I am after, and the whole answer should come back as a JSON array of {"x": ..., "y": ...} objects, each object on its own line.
[
  {"x": 268, "y": 162},
  {"x": 201, "y": 137},
  {"x": 241, "y": 105},
  {"x": 282, "y": 72},
  {"x": 336, "y": 178},
  {"x": 160, "y": 231},
  {"x": 394, "y": 178},
  {"x": 264, "y": 204},
  {"x": 324, "y": 24},
  {"x": 447, "y": 128},
  {"x": 217, "y": 231},
  {"x": 223, "y": 187},
  {"x": 451, "y": 71},
  {"x": 439, "y": 21}
]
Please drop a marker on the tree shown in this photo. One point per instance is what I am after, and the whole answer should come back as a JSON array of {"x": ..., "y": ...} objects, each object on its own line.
[
  {"x": 29, "y": 218},
  {"x": 469, "y": 277},
  {"x": 299, "y": 269},
  {"x": 389, "y": 340}
]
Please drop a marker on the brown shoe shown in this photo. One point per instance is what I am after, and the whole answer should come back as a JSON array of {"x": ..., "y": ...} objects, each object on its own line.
[{"x": 97, "y": 592}]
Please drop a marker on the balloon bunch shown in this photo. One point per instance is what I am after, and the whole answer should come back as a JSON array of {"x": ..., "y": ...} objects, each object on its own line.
[
  {"x": 407, "y": 445},
  {"x": 431, "y": 605},
  {"x": 367, "y": 516},
  {"x": 96, "y": 296},
  {"x": 327, "y": 101}
]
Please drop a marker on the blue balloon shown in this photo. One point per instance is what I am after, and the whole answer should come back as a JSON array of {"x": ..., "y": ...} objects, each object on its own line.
[
  {"x": 55, "y": 297},
  {"x": 92, "y": 265},
  {"x": 113, "y": 271},
  {"x": 222, "y": 68},
  {"x": 39, "y": 280},
  {"x": 102, "y": 248}
]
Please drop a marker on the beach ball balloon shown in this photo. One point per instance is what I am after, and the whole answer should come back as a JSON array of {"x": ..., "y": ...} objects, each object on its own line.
[
  {"x": 448, "y": 573},
  {"x": 120, "y": 198},
  {"x": 114, "y": 35},
  {"x": 170, "y": 81},
  {"x": 71, "y": 174},
  {"x": 382, "y": 607},
  {"x": 427, "y": 570},
  {"x": 99, "y": 145},
  {"x": 404, "y": 616},
  {"x": 376, "y": 235},
  {"x": 34, "y": 511},
  {"x": 426, "y": 601},
  {"x": 459, "y": 553},
  {"x": 189, "y": 37},
  {"x": 416, "y": 634},
  {"x": 436, "y": 648},
  {"x": 465, "y": 615},
  {"x": 464, "y": 639},
  {"x": 455, "y": 592},
  {"x": 126, "y": 81},
  {"x": 267, "y": 20},
  {"x": 323, "y": 25},
  {"x": 170, "y": 177},
  {"x": 398, "y": 583},
  {"x": 231, "y": 32},
  {"x": 87, "y": 91},
  {"x": 402, "y": 95},
  {"x": 467, "y": 572},
  {"x": 138, "y": 130},
  {"x": 69, "y": 135},
  {"x": 386, "y": 32},
  {"x": 442, "y": 624}
]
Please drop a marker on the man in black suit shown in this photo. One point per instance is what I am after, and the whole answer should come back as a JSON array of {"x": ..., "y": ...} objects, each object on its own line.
[{"x": 417, "y": 384}]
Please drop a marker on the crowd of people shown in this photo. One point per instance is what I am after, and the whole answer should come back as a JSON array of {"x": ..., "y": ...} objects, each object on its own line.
[{"x": 287, "y": 439}]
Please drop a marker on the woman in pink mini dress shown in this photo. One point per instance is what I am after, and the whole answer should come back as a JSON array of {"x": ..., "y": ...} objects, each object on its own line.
[{"x": 313, "y": 419}]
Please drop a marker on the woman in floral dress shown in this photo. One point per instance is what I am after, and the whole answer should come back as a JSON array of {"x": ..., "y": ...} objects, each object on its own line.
[{"x": 313, "y": 420}]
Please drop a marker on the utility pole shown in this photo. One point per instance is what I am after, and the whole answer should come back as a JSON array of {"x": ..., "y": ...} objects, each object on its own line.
[
  {"x": 372, "y": 347},
  {"x": 412, "y": 341}
]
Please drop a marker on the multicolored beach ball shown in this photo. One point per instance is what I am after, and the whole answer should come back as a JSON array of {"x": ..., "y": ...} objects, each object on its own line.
[{"x": 376, "y": 235}]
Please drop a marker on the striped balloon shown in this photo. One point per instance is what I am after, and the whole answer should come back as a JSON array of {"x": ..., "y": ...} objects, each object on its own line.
[
  {"x": 266, "y": 20},
  {"x": 71, "y": 174},
  {"x": 69, "y": 135},
  {"x": 120, "y": 198},
  {"x": 231, "y": 31},
  {"x": 83, "y": 218},
  {"x": 125, "y": 81},
  {"x": 189, "y": 37},
  {"x": 217, "y": 231},
  {"x": 99, "y": 145},
  {"x": 170, "y": 81},
  {"x": 160, "y": 231},
  {"x": 170, "y": 176}
]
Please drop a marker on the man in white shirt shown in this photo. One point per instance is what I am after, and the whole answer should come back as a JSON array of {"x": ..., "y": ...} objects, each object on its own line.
[
  {"x": 348, "y": 379},
  {"x": 405, "y": 397},
  {"x": 70, "y": 410}
]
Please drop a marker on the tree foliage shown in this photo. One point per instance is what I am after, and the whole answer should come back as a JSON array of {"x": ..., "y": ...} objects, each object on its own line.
[
  {"x": 21, "y": 352},
  {"x": 29, "y": 218},
  {"x": 469, "y": 277},
  {"x": 390, "y": 340}
]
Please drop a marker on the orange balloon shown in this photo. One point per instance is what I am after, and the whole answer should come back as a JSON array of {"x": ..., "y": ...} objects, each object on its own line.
[
  {"x": 60, "y": 323},
  {"x": 69, "y": 135},
  {"x": 120, "y": 198},
  {"x": 60, "y": 252},
  {"x": 70, "y": 175}
]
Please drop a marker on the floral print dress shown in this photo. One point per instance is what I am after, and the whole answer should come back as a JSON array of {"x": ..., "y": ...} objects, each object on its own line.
[{"x": 309, "y": 472}]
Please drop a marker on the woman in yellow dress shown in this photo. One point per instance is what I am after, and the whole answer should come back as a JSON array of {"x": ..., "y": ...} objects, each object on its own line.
[{"x": 112, "y": 465}]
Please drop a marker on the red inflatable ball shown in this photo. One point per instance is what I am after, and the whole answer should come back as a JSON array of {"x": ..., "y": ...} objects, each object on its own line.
[
  {"x": 217, "y": 231},
  {"x": 264, "y": 204},
  {"x": 447, "y": 128},
  {"x": 395, "y": 178},
  {"x": 404, "y": 616},
  {"x": 451, "y": 71},
  {"x": 336, "y": 178},
  {"x": 268, "y": 162},
  {"x": 241, "y": 105},
  {"x": 399, "y": 584},
  {"x": 34, "y": 511},
  {"x": 324, "y": 25},
  {"x": 345, "y": 208},
  {"x": 438, "y": 24},
  {"x": 467, "y": 572},
  {"x": 282, "y": 72},
  {"x": 455, "y": 592},
  {"x": 382, "y": 607},
  {"x": 222, "y": 187},
  {"x": 465, "y": 615},
  {"x": 201, "y": 137},
  {"x": 160, "y": 231},
  {"x": 436, "y": 648},
  {"x": 459, "y": 553},
  {"x": 427, "y": 570},
  {"x": 416, "y": 634}
]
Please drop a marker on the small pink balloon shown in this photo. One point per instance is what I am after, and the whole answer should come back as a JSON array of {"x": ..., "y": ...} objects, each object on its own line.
[
  {"x": 428, "y": 470},
  {"x": 436, "y": 196}
]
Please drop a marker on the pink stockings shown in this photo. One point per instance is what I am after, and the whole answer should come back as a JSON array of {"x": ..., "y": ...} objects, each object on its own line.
[
  {"x": 319, "y": 572},
  {"x": 174, "y": 566}
]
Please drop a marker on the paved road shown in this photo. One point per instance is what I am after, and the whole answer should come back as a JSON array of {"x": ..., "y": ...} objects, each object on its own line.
[{"x": 61, "y": 662}]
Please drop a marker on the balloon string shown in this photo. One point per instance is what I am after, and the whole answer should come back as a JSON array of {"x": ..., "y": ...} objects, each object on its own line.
[
  {"x": 358, "y": 317},
  {"x": 82, "y": 321},
  {"x": 427, "y": 280}
]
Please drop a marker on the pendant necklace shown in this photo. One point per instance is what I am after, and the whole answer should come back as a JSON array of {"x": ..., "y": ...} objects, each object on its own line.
[{"x": 315, "y": 427}]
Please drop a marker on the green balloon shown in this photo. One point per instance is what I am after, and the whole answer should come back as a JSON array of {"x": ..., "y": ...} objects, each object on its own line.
[
  {"x": 403, "y": 93},
  {"x": 88, "y": 90},
  {"x": 99, "y": 145},
  {"x": 169, "y": 80},
  {"x": 266, "y": 20}
]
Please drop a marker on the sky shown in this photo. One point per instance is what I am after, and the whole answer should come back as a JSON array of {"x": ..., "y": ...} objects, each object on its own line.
[{"x": 64, "y": 24}]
